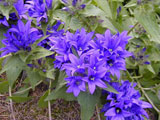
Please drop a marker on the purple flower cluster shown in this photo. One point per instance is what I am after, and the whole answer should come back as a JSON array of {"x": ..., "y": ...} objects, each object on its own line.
[
  {"x": 72, "y": 5},
  {"x": 89, "y": 60},
  {"x": 19, "y": 37},
  {"x": 38, "y": 9},
  {"x": 140, "y": 57},
  {"x": 52, "y": 32},
  {"x": 126, "y": 105}
]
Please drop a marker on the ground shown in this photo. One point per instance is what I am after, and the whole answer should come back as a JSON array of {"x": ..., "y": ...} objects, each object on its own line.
[{"x": 61, "y": 110}]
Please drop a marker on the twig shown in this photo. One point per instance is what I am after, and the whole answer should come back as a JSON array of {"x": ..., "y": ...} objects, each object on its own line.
[
  {"x": 49, "y": 103},
  {"x": 98, "y": 115},
  {"x": 132, "y": 28},
  {"x": 11, "y": 103},
  {"x": 19, "y": 92}
]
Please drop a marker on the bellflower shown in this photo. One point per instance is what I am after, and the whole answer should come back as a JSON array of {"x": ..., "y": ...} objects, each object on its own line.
[
  {"x": 79, "y": 40},
  {"x": 140, "y": 57},
  {"x": 93, "y": 59},
  {"x": 94, "y": 79},
  {"x": 126, "y": 105},
  {"x": 3, "y": 20},
  {"x": 19, "y": 37},
  {"x": 112, "y": 50},
  {"x": 21, "y": 9},
  {"x": 49, "y": 4},
  {"x": 72, "y": 6},
  {"x": 52, "y": 31},
  {"x": 76, "y": 84},
  {"x": 75, "y": 65},
  {"x": 12, "y": 16},
  {"x": 37, "y": 9}
]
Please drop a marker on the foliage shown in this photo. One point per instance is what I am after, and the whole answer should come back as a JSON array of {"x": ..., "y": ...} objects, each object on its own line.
[{"x": 81, "y": 49}]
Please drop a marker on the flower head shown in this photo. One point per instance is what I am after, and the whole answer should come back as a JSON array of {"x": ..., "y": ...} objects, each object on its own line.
[
  {"x": 126, "y": 105},
  {"x": 38, "y": 9},
  {"x": 21, "y": 9},
  {"x": 19, "y": 37}
]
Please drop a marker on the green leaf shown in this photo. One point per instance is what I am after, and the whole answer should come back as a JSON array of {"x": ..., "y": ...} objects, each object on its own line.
[
  {"x": 61, "y": 94},
  {"x": 61, "y": 82},
  {"x": 148, "y": 21},
  {"x": 13, "y": 68},
  {"x": 132, "y": 3},
  {"x": 34, "y": 78},
  {"x": 92, "y": 10},
  {"x": 108, "y": 24},
  {"x": 88, "y": 103},
  {"x": 19, "y": 99},
  {"x": 75, "y": 23},
  {"x": 34, "y": 45},
  {"x": 40, "y": 52},
  {"x": 110, "y": 89},
  {"x": 104, "y": 5},
  {"x": 4, "y": 87},
  {"x": 41, "y": 102},
  {"x": 2, "y": 31},
  {"x": 153, "y": 97},
  {"x": 22, "y": 94},
  {"x": 6, "y": 10}
]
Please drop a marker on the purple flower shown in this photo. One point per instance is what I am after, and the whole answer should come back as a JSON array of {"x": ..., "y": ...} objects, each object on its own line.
[
  {"x": 19, "y": 37},
  {"x": 126, "y": 105},
  {"x": 94, "y": 79},
  {"x": 37, "y": 9},
  {"x": 49, "y": 3},
  {"x": 140, "y": 57},
  {"x": 53, "y": 32},
  {"x": 74, "y": 2},
  {"x": 118, "y": 10},
  {"x": 117, "y": 113},
  {"x": 94, "y": 60},
  {"x": 72, "y": 6},
  {"x": 76, "y": 84},
  {"x": 111, "y": 49},
  {"x": 79, "y": 40},
  {"x": 75, "y": 65},
  {"x": 21, "y": 9},
  {"x": 3, "y": 20},
  {"x": 12, "y": 16}
]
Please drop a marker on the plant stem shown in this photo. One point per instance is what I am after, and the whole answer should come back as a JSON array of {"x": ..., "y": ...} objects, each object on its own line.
[
  {"x": 98, "y": 115},
  {"x": 152, "y": 87},
  {"x": 19, "y": 92},
  {"x": 132, "y": 28},
  {"x": 49, "y": 103},
  {"x": 11, "y": 103},
  {"x": 145, "y": 94}
]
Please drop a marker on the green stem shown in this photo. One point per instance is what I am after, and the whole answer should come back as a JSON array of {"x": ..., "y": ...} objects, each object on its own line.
[
  {"x": 19, "y": 92},
  {"x": 152, "y": 87},
  {"x": 84, "y": 21},
  {"x": 132, "y": 28},
  {"x": 49, "y": 103},
  {"x": 98, "y": 115},
  {"x": 145, "y": 94},
  {"x": 11, "y": 103},
  {"x": 136, "y": 77}
]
